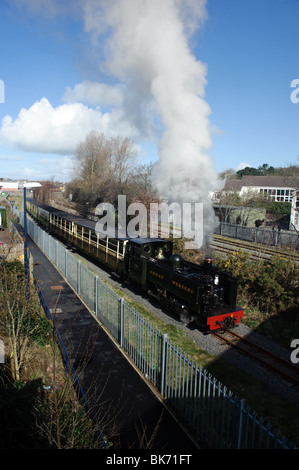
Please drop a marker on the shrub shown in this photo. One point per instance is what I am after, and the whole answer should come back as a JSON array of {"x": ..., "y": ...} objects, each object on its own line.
[{"x": 272, "y": 285}]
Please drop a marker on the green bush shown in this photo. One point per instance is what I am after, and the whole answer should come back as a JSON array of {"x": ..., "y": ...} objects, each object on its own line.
[{"x": 272, "y": 286}]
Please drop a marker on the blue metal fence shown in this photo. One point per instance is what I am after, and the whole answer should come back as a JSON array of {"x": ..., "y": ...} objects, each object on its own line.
[
  {"x": 262, "y": 235},
  {"x": 208, "y": 409}
]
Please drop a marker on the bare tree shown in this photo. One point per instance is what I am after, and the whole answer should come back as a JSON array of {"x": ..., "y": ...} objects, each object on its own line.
[
  {"x": 141, "y": 185},
  {"x": 291, "y": 171},
  {"x": 44, "y": 194},
  {"x": 123, "y": 159},
  {"x": 90, "y": 163},
  {"x": 16, "y": 317},
  {"x": 102, "y": 167}
]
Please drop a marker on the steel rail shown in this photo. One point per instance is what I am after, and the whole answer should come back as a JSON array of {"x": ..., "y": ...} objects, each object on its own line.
[
  {"x": 260, "y": 250},
  {"x": 256, "y": 352}
]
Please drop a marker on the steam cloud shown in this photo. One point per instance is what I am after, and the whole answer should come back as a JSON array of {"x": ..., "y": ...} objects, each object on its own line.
[
  {"x": 147, "y": 48},
  {"x": 155, "y": 82}
]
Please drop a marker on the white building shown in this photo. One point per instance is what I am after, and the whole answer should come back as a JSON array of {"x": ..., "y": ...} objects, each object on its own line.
[
  {"x": 9, "y": 186},
  {"x": 294, "y": 218},
  {"x": 278, "y": 188},
  {"x": 17, "y": 186}
]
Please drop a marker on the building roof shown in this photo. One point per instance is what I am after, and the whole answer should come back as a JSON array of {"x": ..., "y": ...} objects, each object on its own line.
[
  {"x": 232, "y": 185},
  {"x": 268, "y": 181}
]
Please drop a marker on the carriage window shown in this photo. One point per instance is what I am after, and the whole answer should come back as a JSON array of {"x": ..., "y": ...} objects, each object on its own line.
[
  {"x": 166, "y": 248},
  {"x": 102, "y": 241},
  {"x": 112, "y": 244},
  {"x": 147, "y": 249},
  {"x": 94, "y": 237},
  {"x": 86, "y": 234}
]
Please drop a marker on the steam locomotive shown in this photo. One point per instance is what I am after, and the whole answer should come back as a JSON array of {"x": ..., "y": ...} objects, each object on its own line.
[{"x": 195, "y": 293}]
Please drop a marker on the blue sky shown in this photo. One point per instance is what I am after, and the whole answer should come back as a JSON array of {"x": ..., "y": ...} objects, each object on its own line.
[{"x": 57, "y": 89}]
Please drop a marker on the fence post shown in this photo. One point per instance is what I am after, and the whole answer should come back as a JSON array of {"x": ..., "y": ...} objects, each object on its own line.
[
  {"x": 163, "y": 369},
  {"x": 96, "y": 296},
  {"x": 122, "y": 320},
  {"x": 65, "y": 252},
  {"x": 239, "y": 425},
  {"x": 79, "y": 277},
  {"x": 275, "y": 238}
]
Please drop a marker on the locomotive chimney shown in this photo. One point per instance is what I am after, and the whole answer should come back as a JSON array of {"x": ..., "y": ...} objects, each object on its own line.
[{"x": 208, "y": 261}]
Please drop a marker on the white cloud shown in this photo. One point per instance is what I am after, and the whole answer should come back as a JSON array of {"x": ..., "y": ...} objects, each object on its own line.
[
  {"x": 95, "y": 94},
  {"x": 45, "y": 129}
]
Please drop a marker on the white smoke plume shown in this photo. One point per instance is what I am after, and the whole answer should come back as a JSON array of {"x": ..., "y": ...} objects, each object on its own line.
[
  {"x": 147, "y": 47},
  {"x": 144, "y": 50}
]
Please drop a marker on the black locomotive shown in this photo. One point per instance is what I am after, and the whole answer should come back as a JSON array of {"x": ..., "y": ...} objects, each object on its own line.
[{"x": 196, "y": 293}]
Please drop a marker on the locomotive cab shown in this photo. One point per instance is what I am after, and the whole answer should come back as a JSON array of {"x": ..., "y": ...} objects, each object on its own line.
[
  {"x": 140, "y": 251},
  {"x": 150, "y": 248}
]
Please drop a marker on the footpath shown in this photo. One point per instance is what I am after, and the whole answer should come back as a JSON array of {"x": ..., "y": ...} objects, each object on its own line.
[{"x": 126, "y": 408}]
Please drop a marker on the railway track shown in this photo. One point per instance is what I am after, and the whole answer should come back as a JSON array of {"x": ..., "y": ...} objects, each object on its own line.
[
  {"x": 288, "y": 371},
  {"x": 257, "y": 252}
]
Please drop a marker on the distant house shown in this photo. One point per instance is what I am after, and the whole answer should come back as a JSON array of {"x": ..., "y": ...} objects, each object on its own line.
[
  {"x": 9, "y": 186},
  {"x": 278, "y": 188}
]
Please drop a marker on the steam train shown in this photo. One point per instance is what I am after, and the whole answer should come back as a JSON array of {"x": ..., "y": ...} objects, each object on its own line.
[{"x": 195, "y": 293}]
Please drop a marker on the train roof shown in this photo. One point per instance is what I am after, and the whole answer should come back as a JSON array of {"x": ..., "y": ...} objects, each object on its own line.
[
  {"x": 141, "y": 241},
  {"x": 66, "y": 215},
  {"x": 91, "y": 223}
]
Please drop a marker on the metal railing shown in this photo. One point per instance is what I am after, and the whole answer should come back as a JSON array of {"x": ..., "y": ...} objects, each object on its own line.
[
  {"x": 207, "y": 408},
  {"x": 262, "y": 235}
]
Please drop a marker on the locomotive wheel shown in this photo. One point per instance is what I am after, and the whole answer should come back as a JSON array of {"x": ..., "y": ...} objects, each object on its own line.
[{"x": 163, "y": 303}]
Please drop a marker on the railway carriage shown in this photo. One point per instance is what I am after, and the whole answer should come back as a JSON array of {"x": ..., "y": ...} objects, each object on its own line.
[{"x": 196, "y": 293}]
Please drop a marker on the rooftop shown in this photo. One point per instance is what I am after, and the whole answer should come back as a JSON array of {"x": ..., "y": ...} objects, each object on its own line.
[{"x": 259, "y": 181}]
